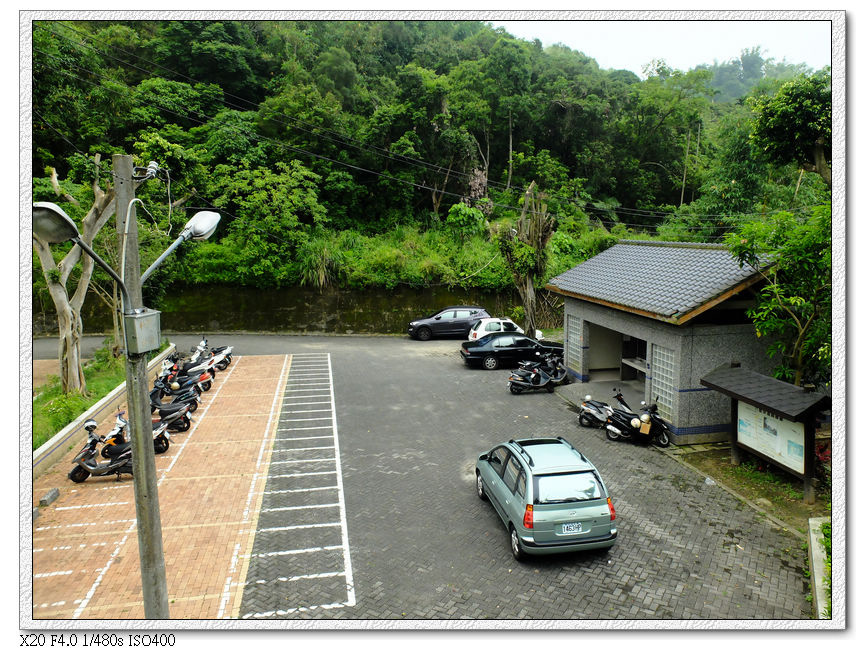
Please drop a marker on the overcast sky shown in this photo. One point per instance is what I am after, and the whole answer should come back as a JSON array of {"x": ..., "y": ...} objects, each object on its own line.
[{"x": 682, "y": 44}]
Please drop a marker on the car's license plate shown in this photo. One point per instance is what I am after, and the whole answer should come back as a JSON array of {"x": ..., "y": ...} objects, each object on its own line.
[{"x": 572, "y": 528}]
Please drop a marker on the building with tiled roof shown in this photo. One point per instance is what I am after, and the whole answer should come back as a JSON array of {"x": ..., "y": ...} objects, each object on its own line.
[{"x": 666, "y": 314}]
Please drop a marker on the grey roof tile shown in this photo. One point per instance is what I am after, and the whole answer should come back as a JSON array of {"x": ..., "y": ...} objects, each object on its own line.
[
  {"x": 663, "y": 278},
  {"x": 776, "y": 396}
]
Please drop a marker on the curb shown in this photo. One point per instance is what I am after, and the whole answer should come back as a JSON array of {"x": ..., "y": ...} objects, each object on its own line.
[{"x": 817, "y": 559}]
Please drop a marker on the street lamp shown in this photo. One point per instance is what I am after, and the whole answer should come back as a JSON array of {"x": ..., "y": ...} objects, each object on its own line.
[
  {"x": 141, "y": 330},
  {"x": 200, "y": 227}
]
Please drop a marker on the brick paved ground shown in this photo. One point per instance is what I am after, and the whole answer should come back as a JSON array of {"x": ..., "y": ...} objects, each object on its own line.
[
  {"x": 411, "y": 421},
  {"x": 85, "y": 546}
]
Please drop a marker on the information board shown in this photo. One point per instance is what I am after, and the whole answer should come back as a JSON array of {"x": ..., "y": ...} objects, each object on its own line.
[{"x": 781, "y": 441}]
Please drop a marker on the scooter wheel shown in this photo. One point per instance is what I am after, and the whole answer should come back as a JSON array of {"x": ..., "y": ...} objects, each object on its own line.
[
  {"x": 516, "y": 390},
  {"x": 551, "y": 389},
  {"x": 78, "y": 474},
  {"x": 662, "y": 439},
  {"x": 160, "y": 445},
  {"x": 612, "y": 435},
  {"x": 205, "y": 386},
  {"x": 585, "y": 421},
  {"x": 222, "y": 365},
  {"x": 193, "y": 406}
]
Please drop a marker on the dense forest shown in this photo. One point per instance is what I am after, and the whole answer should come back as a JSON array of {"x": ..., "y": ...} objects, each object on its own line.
[{"x": 356, "y": 154}]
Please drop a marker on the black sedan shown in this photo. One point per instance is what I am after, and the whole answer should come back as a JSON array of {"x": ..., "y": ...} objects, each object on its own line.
[
  {"x": 451, "y": 321},
  {"x": 503, "y": 349}
]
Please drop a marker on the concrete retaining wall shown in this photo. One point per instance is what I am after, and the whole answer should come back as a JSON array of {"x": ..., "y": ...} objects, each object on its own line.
[{"x": 74, "y": 434}]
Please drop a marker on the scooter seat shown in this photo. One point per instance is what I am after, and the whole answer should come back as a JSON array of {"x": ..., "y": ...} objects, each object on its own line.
[
  {"x": 113, "y": 451},
  {"x": 165, "y": 410}
]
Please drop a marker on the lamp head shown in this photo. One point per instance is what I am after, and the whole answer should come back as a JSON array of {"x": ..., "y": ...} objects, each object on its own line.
[
  {"x": 202, "y": 225},
  {"x": 52, "y": 224}
]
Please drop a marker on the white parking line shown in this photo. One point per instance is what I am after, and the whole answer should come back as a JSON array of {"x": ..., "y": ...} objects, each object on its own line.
[
  {"x": 349, "y": 579},
  {"x": 301, "y": 474},
  {"x": 297, "y": 490},
  {"x": 51, "y": 575},
  {"x": 298, "y": 551},
  {"x": 279, "y": 529},
  {"x": 309, "y": 576},
  {"x": 306, "y": 380},
  {"x": 92, "y": 505},
  {"x": 307, "y": 507},
  {"x": 305, "y": 460},
  {"x": 294, "y": 610}
]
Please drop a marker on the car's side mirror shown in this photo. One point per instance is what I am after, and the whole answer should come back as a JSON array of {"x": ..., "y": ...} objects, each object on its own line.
[
  {"x": 438, "y": 317},
  {"x": 483, "y": 457}
]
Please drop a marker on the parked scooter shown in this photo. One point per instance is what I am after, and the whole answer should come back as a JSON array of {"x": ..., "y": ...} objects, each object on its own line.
[
  {"x": 647, "y": 427},
  {"x": 191, "y": 397},
  {"x": 594, "y": 413},
  {"x": 115, "y": 442},
  {"x": 175, "y": 416},
  {"x": 546, "y": 374},
  {"x": 221, "y": 355},
  {"x": 86, "y": 463}
]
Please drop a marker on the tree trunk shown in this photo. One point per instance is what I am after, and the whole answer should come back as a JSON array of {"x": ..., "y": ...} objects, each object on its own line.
[
  {"x": 530, "y": 304},
  {"x": 57, "y": 275},
  {"x": 438, "y": 195},
  {"x": 510, "y": 148},
  {"x": 820, "y": 164}
]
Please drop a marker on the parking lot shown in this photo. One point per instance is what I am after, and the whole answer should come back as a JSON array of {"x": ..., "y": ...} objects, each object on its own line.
[{"x": 339, "y": 474}]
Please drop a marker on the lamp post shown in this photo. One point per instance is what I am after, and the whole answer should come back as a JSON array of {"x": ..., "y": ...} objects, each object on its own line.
[{"x": 141, "y": 333}]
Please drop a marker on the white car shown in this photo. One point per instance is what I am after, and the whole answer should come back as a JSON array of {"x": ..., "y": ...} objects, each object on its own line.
[{"x": 491, "y": 325}]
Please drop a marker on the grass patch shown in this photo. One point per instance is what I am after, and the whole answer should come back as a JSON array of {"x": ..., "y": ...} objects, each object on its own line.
[
  {"x": 826, "y": 540},
  {"x": 777, "y": 492},
  {"x": 52, "y": 410}
]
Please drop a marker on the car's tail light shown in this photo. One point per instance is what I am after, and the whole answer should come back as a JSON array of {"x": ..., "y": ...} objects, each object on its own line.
[
  {"x": 529, "y": 517},
  {"x": 612, "y": 509}
]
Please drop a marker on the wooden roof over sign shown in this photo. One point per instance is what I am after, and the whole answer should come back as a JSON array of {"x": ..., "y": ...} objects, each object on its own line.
[{"x": 773, "y": 395}]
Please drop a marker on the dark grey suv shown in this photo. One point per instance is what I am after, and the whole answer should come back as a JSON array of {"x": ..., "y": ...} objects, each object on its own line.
[
  {"x": 550, "y": 497},
  {"x": 451, "y": 321}
]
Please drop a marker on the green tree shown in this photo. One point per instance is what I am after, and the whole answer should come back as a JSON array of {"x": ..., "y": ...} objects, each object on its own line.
[
  {"x": 795, "y": 124},
  {"x": 524, "y": 249},
  {"x": 793, "y": 310},
  {"x": 275, "y": 211}
]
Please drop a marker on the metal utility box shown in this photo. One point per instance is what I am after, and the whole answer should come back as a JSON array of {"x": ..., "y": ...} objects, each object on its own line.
[{"x": 142, "y": 331}]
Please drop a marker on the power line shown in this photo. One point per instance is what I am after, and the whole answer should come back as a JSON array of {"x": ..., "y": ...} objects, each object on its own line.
[
  {"x": 643, "y": 214},
  {"x": 340, "y": 138}
]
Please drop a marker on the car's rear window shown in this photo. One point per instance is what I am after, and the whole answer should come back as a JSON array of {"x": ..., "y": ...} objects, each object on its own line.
[{"x": 575, "y": 486}]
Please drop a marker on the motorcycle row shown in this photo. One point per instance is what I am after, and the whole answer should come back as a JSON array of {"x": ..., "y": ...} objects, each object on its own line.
[
  {"x": 176, "y": 393},
  {"x": 624, "y": 423},
  {"x": 619, "y": 423}
]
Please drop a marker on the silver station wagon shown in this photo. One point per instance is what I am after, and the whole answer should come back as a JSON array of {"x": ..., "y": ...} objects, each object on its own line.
[{"x": 550, "y": 497}]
